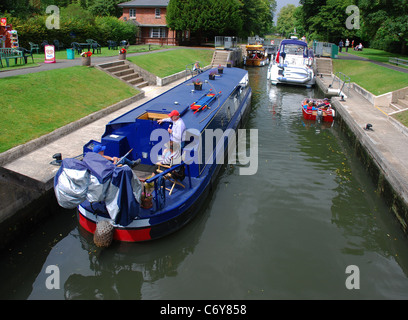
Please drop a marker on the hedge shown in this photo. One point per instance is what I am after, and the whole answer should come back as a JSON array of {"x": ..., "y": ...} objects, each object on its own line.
[{"x": 100, "y": 29}]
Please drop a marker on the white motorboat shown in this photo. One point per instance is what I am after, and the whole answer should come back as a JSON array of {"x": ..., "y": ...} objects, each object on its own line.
[{"x": 292, "y": 64}]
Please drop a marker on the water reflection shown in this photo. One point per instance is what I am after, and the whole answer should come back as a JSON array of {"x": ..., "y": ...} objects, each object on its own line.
[{"x": 117, "y": 272}]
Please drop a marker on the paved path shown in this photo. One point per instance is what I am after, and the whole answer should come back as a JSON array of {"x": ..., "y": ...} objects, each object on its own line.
[{"x": 349, "y": 56}]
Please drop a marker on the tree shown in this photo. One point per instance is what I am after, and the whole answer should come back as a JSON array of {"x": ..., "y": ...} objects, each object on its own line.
[
  {"x": 325, "y": 20},
  {"x": 106, "y": 8},
  {"x": 385, "y": 24},
  {"x": 257, "y": 16},
  {"x": 286, "y": 20},
  {"x": 204, "y": 19}
]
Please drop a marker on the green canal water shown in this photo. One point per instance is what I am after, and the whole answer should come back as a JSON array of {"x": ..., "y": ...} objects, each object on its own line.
[{"x": 291, "y": 231}]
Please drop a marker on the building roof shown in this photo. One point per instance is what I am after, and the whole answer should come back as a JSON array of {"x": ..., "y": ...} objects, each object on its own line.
[{"x": 144, "y": 4}]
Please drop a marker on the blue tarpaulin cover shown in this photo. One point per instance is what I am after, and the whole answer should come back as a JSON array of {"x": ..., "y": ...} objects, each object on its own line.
[{"x": 96, "y": 179}]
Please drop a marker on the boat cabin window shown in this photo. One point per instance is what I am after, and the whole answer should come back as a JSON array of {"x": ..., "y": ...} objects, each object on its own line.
[
  {"x": 295, "y": 49},
  {"x": 153, "y": 116},
  {"x": 255, "y": 53}
]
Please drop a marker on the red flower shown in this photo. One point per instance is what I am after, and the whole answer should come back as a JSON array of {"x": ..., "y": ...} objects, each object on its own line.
[{"x": 86, "y": 54}]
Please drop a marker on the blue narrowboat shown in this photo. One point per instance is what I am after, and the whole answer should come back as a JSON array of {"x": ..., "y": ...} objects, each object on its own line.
[{"x": 118, "y": 194}]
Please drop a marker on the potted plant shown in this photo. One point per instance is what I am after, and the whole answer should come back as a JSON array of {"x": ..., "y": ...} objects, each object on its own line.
[
  {"x": 122, "y": 54},
  {"x": 146, "y": 200},
  {"x": 86, "y": 58},
  {"x": 212, "y": 74},
  {"x": 220, "y": 69},
  {"x": 198, "y": 85}
]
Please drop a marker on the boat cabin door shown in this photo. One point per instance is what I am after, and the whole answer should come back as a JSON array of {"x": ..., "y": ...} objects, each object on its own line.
[{"x": 146, "y": 136}]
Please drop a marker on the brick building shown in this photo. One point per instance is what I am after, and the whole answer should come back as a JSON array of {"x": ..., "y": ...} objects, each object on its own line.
[{"x": 150, "y": 16}]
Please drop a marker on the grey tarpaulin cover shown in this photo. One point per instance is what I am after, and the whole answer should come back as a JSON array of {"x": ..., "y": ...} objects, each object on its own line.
[{"x": 98, "y": 180}]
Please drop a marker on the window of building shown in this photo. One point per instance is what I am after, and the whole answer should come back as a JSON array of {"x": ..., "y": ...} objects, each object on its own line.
[
  {"x": 158, "y": 32},
  {"x": 132, "y": 13},
  {"x": 157, "y": 12}
]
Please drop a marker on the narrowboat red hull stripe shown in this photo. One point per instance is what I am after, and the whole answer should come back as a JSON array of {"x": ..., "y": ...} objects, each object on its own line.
[{"x": 129, "y": 235}]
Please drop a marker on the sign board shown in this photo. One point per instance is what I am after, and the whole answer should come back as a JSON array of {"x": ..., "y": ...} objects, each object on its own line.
[
  {"x": 49, "y": 51},
  {"x": 3, "y": 22}
]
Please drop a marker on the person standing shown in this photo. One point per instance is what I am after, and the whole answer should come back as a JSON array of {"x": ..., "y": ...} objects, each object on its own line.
[
  {"x": 340, "y": 45},
  {"x": 177, "y": 132},
  {"x": 347, "y": 44}
]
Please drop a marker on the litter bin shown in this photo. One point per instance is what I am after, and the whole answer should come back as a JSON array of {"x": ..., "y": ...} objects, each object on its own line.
[{"x": 70, "y": 54}]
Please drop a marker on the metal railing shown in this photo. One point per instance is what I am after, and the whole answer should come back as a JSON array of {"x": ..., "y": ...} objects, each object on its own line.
[
  {"x": 222, "y": 42},
  {"x": 342, "y": 79},
  {"x": 159, "y": 189},
  {"x": 189, "y": 70},
  {"x": 398, "y": 61},
  {"x": 156, "y": 41}
]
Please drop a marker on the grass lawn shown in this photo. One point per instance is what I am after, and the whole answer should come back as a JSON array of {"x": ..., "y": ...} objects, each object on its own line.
[
  {"x": 38, "y": 103},
  {"x": 402, "y": 117},
  {"x": 164, "y": 64},
  {"x": 376, "y": 79},
  {"x": 377, "y": 55}
]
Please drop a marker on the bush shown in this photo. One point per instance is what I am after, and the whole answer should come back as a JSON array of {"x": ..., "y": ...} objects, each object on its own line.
[{"x": 76, "y": 24}]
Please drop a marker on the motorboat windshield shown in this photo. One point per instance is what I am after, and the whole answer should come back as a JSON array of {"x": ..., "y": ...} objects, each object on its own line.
[{"x": 294, "y": 47}]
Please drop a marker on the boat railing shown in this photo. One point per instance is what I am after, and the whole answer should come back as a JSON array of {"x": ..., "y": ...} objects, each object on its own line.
[
  {"x": 189, "y": 70},
  {"x": 343, "y": 80},
  {"x": 160, "y": 176}
]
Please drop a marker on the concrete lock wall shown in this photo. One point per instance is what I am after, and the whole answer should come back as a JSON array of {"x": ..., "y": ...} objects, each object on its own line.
[{"x": 381, "y": 173}]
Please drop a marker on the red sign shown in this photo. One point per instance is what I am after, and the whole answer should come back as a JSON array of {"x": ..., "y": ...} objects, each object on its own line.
[
  {"x": 3, "y": 22},
  {"x": 49, "y": 54}
]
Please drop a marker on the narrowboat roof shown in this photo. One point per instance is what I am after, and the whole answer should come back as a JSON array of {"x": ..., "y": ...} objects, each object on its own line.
[{"x": 182, "y": 96}]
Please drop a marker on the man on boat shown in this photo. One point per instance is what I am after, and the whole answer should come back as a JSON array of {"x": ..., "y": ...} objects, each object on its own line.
[
  {"x": 177, "y": 133},
  {"x": 197, "y": 67},
  {"x": 325, "y": 104},
  {"x": 101, "y": 150}
]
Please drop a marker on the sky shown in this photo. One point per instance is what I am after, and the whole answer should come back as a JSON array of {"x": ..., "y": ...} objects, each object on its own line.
[{"x": 281, "y": 3}]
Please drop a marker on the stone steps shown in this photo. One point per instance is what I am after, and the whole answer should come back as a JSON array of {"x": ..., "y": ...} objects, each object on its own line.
[
  {"x": 324, "y": 66},
  {"x": 399, "y": 106},
  {"x": 123, "y": 71},
  {"x": 403, "y": 102},
  {"x": 220, "y": 57}
]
